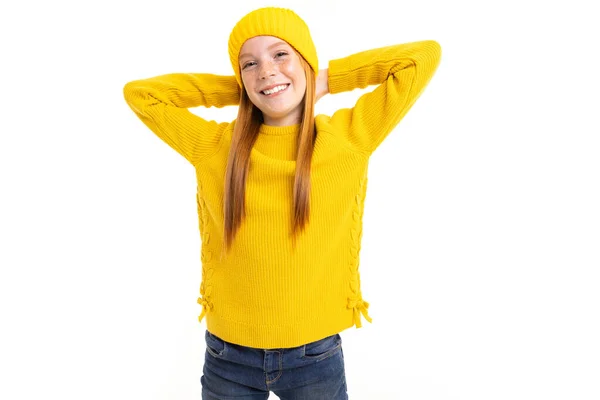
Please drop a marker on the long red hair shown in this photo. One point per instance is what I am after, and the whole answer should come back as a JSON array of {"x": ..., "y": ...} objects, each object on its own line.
[{"x": 245, "y": 133}]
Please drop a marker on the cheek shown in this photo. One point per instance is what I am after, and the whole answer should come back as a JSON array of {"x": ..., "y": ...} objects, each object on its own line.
[
  {"x": 247, "y": 82},
  {"x": 295, "y": 71},
  {"x": 250, "y": 88}
]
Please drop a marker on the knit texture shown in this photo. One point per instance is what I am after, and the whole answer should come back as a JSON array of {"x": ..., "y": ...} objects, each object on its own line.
[
  {"x": 265, "y": 293},
  {"x": 272, "y": 21}
]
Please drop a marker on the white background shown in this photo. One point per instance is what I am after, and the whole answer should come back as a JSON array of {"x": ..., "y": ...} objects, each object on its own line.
[{"x": 481, "y": 238}]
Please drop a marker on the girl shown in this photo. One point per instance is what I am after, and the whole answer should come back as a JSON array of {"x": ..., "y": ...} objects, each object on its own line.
[{"x": 280, "y": 196}]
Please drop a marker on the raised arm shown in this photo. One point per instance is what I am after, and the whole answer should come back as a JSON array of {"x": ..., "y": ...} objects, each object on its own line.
[
  {"x": 162, "y": 103},
  {"x": 402, "y": 71}
]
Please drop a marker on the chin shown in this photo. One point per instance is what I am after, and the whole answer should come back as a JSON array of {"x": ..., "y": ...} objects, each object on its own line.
[{"x": 277, "y": 113}]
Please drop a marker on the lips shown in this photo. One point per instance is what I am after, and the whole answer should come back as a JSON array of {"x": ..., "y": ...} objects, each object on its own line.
[{"x": 274, "y": 89}]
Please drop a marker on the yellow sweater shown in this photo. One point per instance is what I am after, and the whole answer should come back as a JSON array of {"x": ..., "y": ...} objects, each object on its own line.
[{"x": 265, "y": 294}]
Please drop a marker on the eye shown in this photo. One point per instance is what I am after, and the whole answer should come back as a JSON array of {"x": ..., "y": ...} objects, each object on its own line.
[
  {"x": 280, "y": 54},
  {"x": 248, "y": 64}
]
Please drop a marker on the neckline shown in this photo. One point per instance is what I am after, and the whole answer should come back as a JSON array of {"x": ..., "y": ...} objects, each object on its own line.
[{"x": 278, "y": 130}]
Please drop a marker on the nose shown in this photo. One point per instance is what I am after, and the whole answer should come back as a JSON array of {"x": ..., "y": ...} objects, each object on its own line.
[{"x": 267, "y": 70}]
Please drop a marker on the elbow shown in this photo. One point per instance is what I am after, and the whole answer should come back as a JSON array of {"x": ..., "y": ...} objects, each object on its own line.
[
  {"x": 128, "y": 90},
  {"x": 428, "y": 55},
  {"x": 135, "y": 94},
  {"x": 134, "y": 97},
  {"x": 433, "y": 52}
]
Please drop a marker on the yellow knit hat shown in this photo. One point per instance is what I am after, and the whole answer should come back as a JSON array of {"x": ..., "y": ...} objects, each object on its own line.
[{"x": 272, "y": 21}]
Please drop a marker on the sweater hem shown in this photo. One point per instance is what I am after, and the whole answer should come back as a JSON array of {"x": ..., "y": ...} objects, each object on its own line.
[{"x": 276, "y": 337}]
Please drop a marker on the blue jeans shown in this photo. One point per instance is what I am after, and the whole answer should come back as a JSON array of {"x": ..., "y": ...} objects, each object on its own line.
[{"x": 314, "y": 371}]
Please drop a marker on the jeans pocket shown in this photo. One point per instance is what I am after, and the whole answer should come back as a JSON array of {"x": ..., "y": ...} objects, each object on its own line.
[
  {"x": 321, "y": 349},
  {"x": 215, "y": 346}
]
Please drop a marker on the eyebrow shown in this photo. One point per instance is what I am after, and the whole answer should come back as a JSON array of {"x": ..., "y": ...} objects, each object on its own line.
[{"x": 268, "y": 48}]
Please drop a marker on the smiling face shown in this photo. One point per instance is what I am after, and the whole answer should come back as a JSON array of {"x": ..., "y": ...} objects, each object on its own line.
[{"x": 274, "y": 79}]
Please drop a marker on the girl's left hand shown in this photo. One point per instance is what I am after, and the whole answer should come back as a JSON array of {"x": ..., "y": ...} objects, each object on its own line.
[{"x": 322, "y": 84}]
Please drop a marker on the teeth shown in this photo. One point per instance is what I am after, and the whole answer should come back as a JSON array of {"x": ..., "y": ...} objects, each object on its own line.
[{"x": 275, "y": 89}]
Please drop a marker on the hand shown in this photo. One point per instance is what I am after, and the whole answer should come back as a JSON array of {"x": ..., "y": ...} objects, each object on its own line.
[{"x": 322, "y": 84}]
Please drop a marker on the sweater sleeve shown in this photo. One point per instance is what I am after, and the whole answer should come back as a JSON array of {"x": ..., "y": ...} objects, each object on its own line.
[
  {"x": 162, "y": 103},
  {"x": 402, "y": 71}
]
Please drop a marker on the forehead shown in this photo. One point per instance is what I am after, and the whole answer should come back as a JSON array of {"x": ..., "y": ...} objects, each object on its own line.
[{"x": 258, "y": 44}]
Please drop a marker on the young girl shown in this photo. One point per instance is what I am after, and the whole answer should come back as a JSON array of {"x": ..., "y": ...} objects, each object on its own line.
[{"x": 280, "y": 196}]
